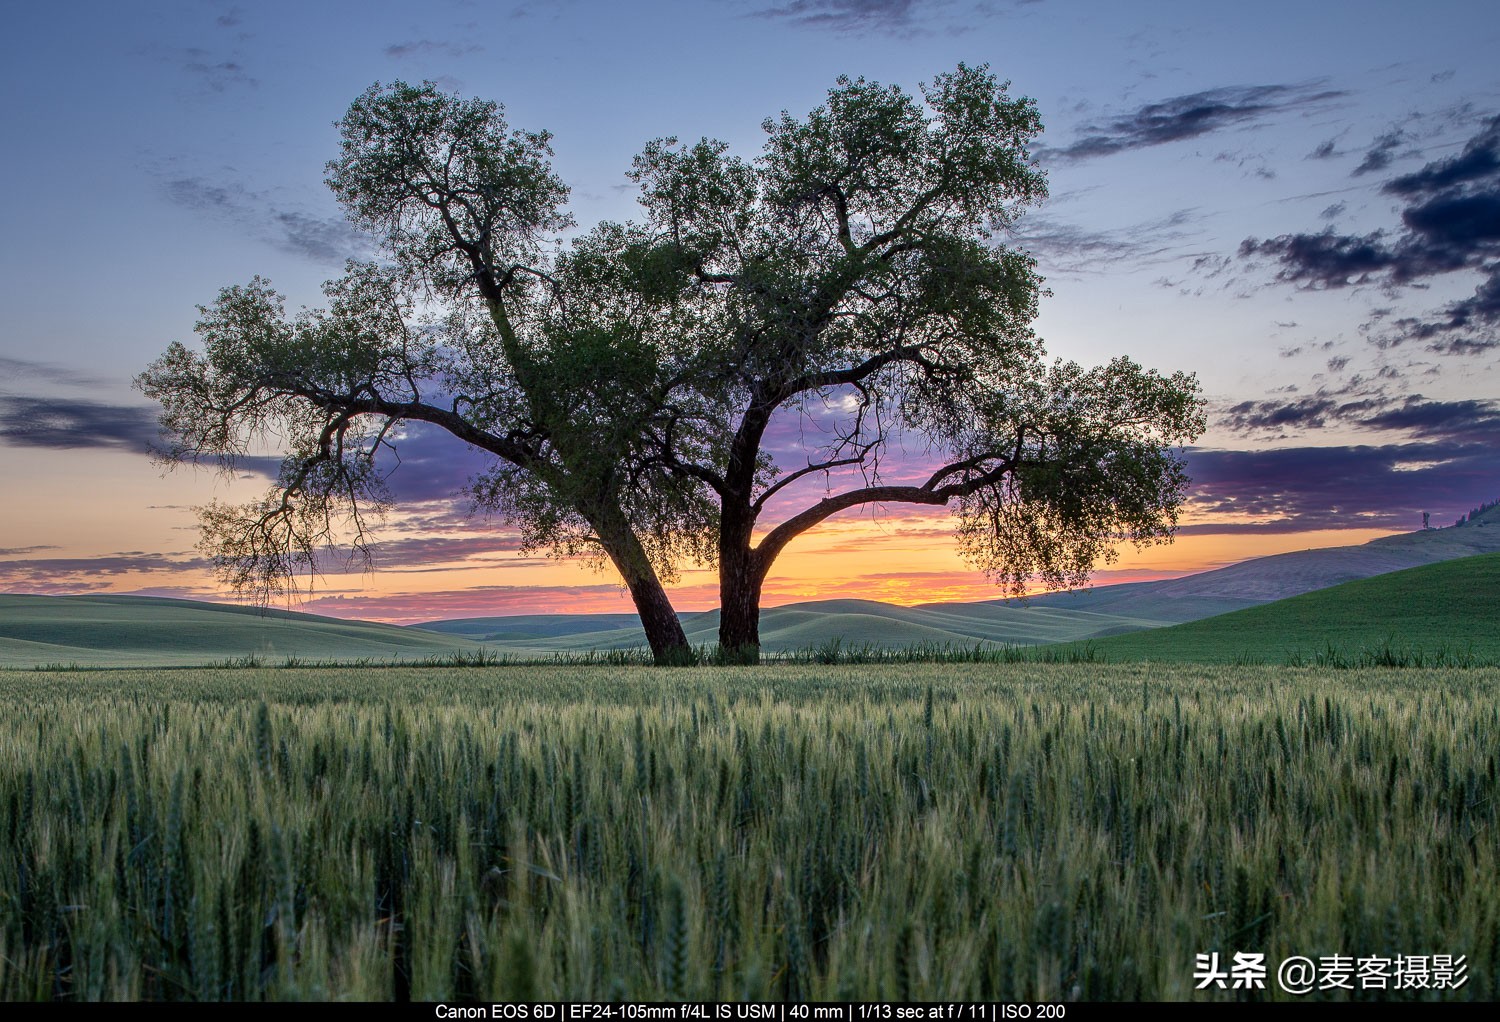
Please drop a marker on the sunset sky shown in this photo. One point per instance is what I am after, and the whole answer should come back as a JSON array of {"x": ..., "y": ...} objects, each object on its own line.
[{"x": 1299, "y": 202}]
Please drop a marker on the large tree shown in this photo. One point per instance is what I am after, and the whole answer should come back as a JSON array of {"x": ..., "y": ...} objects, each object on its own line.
[
  {"x": 858, "y": 268},
  {"x": 532, "y": 362},
  {"x": 627, "y": 384}
]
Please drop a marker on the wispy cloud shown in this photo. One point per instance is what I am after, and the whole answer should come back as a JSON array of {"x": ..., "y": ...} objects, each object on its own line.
[
  {"x": 61, "y": 424},
  {"x": 1381, "y": 152},
  {"x": 1369, "y": 406},
  {"x": 431, "y": 48},
  {"x": 850, "y": 15},
  {"x": 1326, "y": 150},
  {"x": 322, "y": 239},
  {"x": 1179, "y": 118},
  {"x": 1060, "y": 246},
  {"x": 57, "y": 575},
  {"x": 46, "y": 372},
  {"x": 216, "y": 75}
]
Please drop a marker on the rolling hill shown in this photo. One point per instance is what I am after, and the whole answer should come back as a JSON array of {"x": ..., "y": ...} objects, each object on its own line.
[
  {"x": 803, "y": 625},
  {"x": 1451, "y": 609},
  {"x": 140, "y": 631},
  {"x": 133, "y": 631},
  {"x": 1052, "y": 617}
]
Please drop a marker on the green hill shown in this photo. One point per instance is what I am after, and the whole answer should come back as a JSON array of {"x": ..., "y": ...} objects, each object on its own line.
[
  {"x": 133, "y": 631},
  {"x": 140, "y": 631},
  {"x": 526, "y": 627},
  {"x": 854, "y": 623},
  {"x": 1047, "y": 618},
  {"x": 1452, "y": 607}
]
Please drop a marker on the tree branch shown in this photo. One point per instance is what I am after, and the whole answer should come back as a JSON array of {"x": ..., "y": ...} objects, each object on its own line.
[
  {"x": 760, "y": 502},
  {"x": 927, "y": 493}
]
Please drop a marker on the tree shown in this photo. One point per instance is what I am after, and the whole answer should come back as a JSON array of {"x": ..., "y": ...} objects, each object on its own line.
[
  {"x": 858, "y": 264},
  {"x": 529, "y": 364},
  {"x": 627, "y": 384}
]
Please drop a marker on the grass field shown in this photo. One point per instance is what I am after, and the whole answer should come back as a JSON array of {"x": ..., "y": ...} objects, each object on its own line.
[
  {"x": 133, "y": 631},
  {"x": 1439, "y": 613},
  {"x": 957, "y": 832}
]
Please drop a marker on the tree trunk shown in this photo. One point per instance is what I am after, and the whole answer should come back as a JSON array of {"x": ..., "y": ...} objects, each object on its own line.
[
  {"x": 664, "y": 634},
  {"x": 740, "y": 578},
  {"x": 669, "y": 644}
]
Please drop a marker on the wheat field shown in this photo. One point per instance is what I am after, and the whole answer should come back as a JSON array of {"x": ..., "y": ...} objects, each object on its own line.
[{"x": 891, "y": 832}]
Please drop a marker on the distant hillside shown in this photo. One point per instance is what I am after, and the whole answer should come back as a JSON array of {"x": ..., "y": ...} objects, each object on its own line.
[
  {"x": 526, "y": 627},
  {"x": 1451, "y": 607},
  {"x": 1048, "y": 618},
  {"x": 1263, "y": 579},
  {"x": 804, "y": 625},
  {"x": 140, "y": 631}
]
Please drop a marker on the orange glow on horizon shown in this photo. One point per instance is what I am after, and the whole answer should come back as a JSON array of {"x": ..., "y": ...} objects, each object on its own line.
[
  {"x": 441, "y": 567},
  {"x": 907, "y": 564}
]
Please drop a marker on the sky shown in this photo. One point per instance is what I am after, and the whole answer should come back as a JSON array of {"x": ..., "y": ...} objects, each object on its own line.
[{"x": 1298, "y": 202}]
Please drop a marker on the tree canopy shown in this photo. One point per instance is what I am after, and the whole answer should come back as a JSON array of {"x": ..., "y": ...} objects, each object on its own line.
[{"x": 625, "y": 383}]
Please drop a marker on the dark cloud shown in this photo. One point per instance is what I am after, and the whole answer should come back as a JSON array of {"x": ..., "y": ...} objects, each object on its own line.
[
  {"x": 1447, "y": 331},
  {"x": 428, "y": 464},
  {"x": 1462, "y": 346},
  {"x": 1451, "y": 228},
  {"x": 1186, "y": 117},
  {"x": 78, "y": 574},
  {"x": 61, "y": 424},
  {"x": 1334, "y": 211},
  {"x": 1476, "y": 421},
  {"x": 1381, "y": 152},
  {"x": 1451, "y": 222},
  {"x": 213, "y": 68},
  {"x": 429, "y": 47},
  {"x": 1324, "y": 151},
  {"x": 1296, "y": 489},
  {"x": 1479, "y": 161},
  {"x": 1304, "y": 413},
  {"x": 405, "y": 555},
  {"x": 846, "y": 15},
  {"x": 438, "y": 553},
  {"x": 422, "y": 465},
  {"x": 1368, "y": 405},
  {"x": 322, "y": 239},
  {"x": 1326, "y": 260}
]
